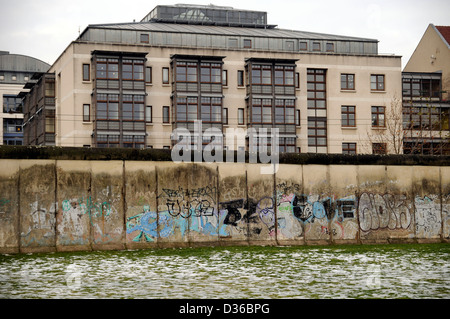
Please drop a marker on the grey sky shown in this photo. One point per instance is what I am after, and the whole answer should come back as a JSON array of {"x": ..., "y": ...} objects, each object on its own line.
[{"x": 44, "y": 28}]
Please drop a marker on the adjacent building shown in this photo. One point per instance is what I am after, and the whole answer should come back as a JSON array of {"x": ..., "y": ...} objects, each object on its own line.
[
  {"x": 426, "y": 88},
  {"x": 15, "y": 71},
  {"x": 133, "y": 84}
]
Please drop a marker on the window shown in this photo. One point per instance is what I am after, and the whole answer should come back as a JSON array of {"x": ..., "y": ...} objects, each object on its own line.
[
  {"x": 378, "y": 116},
  {"x": 240, "y": 78},
  {"x": 225, "y": 115},
  {"x": 133, "y": 107},
  {"x": 134, "y": 141},
  {"x": 316, "y": 46},
  {"x": 284, "y": 111},
  {"x": 211, "y": 109},
  {"x": 247, "y": 44},
  {"x": 145, "y": 38},
  {"x": 148, "y": 75},
  {"x": 166, "y": 114},
  {"x": 348, "y": 116},
  {"x": 187, "y": 109},
  {"x": 284, "y": 75},
  {"x": 186, "y": 72},
  {"x": 297, "y": 117},
  {"x": 317, "y": 132},
  {"x": 211, "y": 73},
  {"x": 297, "y": 80},
  {"x": 110, "y": 141},
  {"x": 262, "y": 111},
  {"x": 12, "y": 104},
  {"x": 165, "y": 75},
  {"x": 50, "y": 88},
  {"x": 379, "y": 148},
  {"x": 287, "y": 144},
  {"x": 303, "y": 46},
  {"x": 107, "y": 69},
  {"x": 149, "y": 114},
  {"x": 347, "y": 81},
  {"x": 261, "y": 74},
  {"x": 50, "y": 121},
  {"x": 240, "y": 116},
  {"x": 225, "y": 78},
  {"x": 86, "y": 112},
  {"x": 377, "y": 82},
  {"x": 86, "y": 72},
  {"x": 316, "y": 89},
  {"x": 133, "y": 70},
  {"x": 349, "y": 148},
  {"x": 108, "y": 107},
  {"x": 330, "y": 47}
]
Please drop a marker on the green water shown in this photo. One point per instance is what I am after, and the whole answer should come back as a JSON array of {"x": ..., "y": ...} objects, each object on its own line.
[{"x": 386, "y": 271}]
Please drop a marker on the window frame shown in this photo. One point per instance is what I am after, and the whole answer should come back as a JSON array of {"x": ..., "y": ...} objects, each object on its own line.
[
  {"x": 346, "y": 114},
  {"x": 376, "y": 116},
  {"x": 166, "y": 117},
  {"x": 86, "y": 113},
  {"x": 315, "y": 130},
  {"x": 165, "y": 76},
  {"x": 349, "y": 148},
  {"x": 86, "y": 72},
  {"x": 380, "y": 85},
  {"x": 241, "y": 116},
  {"x": 347, "y": 82}
]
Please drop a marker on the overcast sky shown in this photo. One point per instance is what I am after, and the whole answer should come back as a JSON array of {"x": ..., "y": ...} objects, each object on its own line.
[{"x": 44, "y": 28}]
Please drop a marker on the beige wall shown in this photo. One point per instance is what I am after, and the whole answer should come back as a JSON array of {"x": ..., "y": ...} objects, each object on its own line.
[
  {"x": 72, "y": 92},
  {"x": 430, "y": 45}
]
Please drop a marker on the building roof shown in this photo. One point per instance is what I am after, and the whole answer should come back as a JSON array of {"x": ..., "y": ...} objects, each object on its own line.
[
  {"x": 223, "y": 30},
  {"x": 445, "y": 33},
  {"x": 21, "y": 63}
]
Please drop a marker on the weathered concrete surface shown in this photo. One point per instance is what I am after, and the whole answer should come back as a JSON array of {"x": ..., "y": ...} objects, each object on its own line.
[
  {"x": 38, "y": 205},
  {"x": 107, "y": 206},
  {"x": 70, "y": 205},
  {"x": 141, "y": 215},
  {"x": 74, "y": 217},
  {"x": 9, "y": 206}
]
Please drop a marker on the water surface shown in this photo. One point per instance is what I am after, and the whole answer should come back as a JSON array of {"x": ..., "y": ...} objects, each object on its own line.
[{"x": 386, "y": 271}]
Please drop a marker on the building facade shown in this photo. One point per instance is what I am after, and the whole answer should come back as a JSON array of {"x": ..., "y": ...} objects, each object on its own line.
[
  {"x": 426, "y": 88},
  {"x": 15, "y": 71},
  {"x": 133, "y": 84}
]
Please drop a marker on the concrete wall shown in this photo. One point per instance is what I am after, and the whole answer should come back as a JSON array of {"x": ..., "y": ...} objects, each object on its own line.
[{"x": 68, "y": 205}]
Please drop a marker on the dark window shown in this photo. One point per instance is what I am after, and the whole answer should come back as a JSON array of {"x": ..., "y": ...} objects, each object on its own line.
[
  {"x": 186, "y": 72},
  {"x": 50, "y": 121},
  {"x": 108, "y": 107},
  {"x": 284, "y": 111},
  {"x": 297, "y": 80},
  {"x": 225, "y": 116},
  {"x": 12, "y": 104},
  {"x": 148, "y": 75},
  {"x": 297, "y": 117},
  {"x": 49, "y": 88},
  {"x": 107, "y": 69},
  {"x": 133, "y": 108},
  {"x": 247, "y": 44},
  {"x": 187, "y": 109},
  {"x": 316, "y": 89},
  {"x": 347, "y": 81},
  {"x": 317, "y": 132},
  {"x": 211, "y": 73},
  {"x": 149, "y": 114},
  {"x": 284, "y": 75},
  {"x": 211, "y": 109},
  {"x": 262, "y": 111},
  {"x": 348, "y": 116},
  {"x": 166, "y": 114},
  {"x": 287, "y": 144},
  {"x": 133, "y": 70},
  {"x": 379, "y": 148},
  {"x": 349, "y": 148},
  {"x": 378, "y": 116},
  {"x": 86, "y": 72},
  {"x": 377, "y": 82},
  {"x": 240, "y": 78},
  {"x": 262, "y": 74}
]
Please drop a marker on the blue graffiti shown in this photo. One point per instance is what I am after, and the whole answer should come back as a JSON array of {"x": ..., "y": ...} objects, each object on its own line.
[{"x": 147, "y": 225}]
